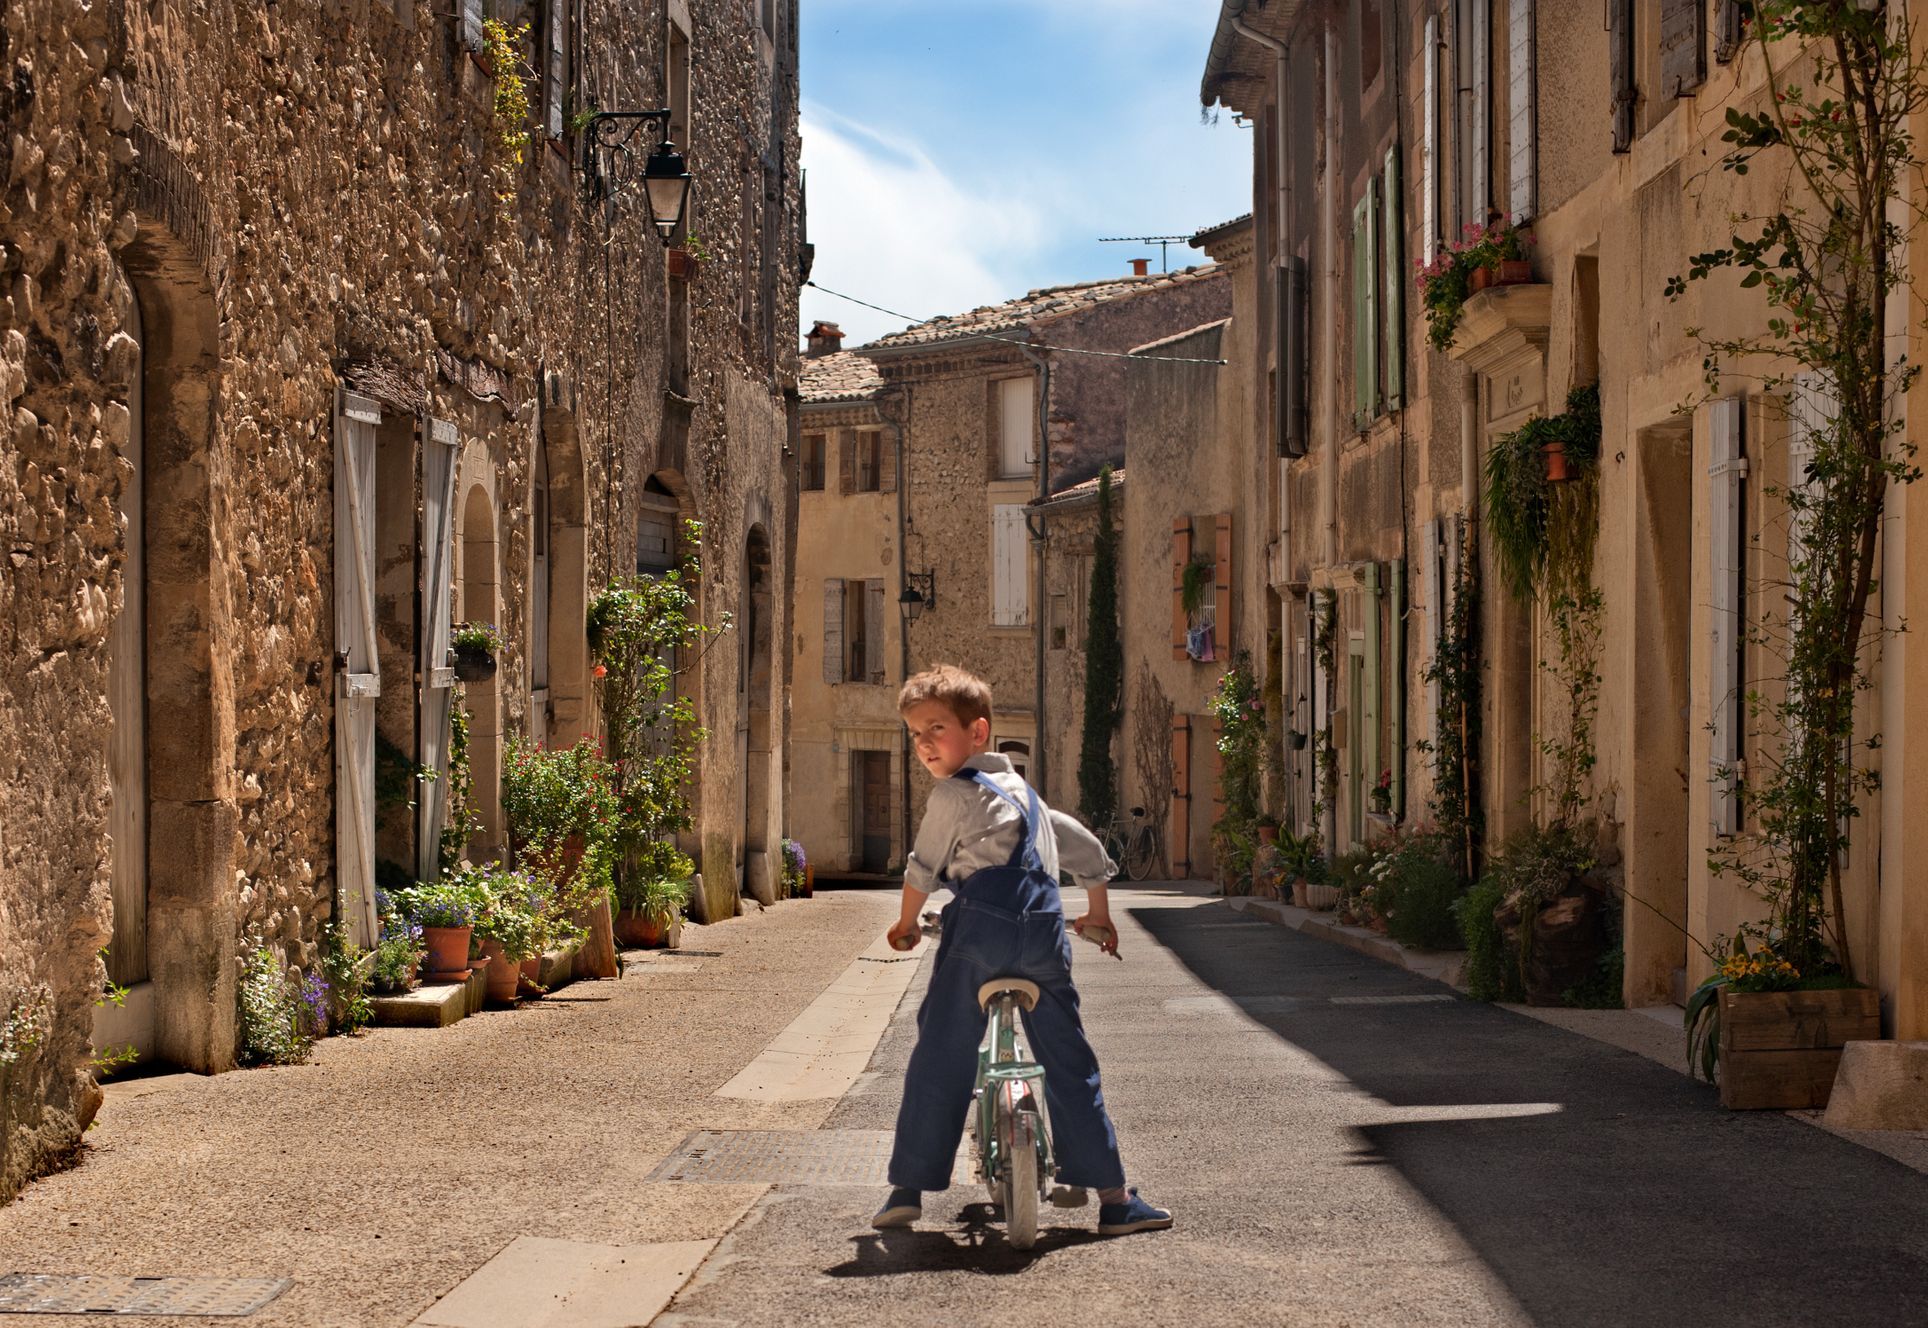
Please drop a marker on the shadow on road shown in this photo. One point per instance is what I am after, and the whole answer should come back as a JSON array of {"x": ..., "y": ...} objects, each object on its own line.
[
  {"x": 1632, "y": 1199},
  {"x": 978, "y": 1247}
]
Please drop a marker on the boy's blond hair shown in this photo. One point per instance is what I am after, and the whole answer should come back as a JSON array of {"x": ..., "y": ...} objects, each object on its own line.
[{"x": 963, "y": 693}]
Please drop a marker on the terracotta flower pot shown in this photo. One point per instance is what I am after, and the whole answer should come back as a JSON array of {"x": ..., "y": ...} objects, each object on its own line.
[
  {"x": 1299, "y": 899},
  {"x": 809, "y": 880},
  {"x": 530, "y": 973},
  {"x": 1556, "y": 466},
  {"x": 635, "y": 928},
  {"x": 448, "y": 952},
  {"x": 1482, "y": 278},
  {"x": 1513, "y": 272},
  {"x": 1268, "y": 834},
  {"x": 505, "y": 974},
  {"x": 681, "y": 263}
]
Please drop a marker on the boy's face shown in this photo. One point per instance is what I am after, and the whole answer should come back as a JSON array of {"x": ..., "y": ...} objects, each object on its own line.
[{"x": 942, "y": 741}]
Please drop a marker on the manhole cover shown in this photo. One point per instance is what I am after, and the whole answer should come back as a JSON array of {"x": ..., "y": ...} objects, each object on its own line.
[
  {"x": 81, "y": 1293},
  {"x": 784, "y": 1157}
]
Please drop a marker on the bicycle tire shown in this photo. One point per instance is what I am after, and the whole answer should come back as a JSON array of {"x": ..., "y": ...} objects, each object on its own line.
[
  {"x": 1143, "y": 855},
  {"x": 1021, "y": 1205},
  {"x": 1114, "y": 846}
]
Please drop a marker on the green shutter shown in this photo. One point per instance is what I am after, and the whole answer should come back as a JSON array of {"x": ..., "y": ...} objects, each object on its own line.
[
  {"x": 1369, "y": 735},
  {"x": 1370, "y": 328},
  {"x": 1363, "y": 335},
  {"x": 1393, "y": 264}
]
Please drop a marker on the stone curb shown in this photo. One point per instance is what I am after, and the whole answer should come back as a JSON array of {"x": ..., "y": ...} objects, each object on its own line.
[{"x": 1445, "y": 966}]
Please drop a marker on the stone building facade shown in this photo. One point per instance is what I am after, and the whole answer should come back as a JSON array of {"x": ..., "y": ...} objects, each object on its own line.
[
  {"x": 296, "y": 344},
  {"x": 971, "y": 394},
  {"x": 1383, "y": 130}
]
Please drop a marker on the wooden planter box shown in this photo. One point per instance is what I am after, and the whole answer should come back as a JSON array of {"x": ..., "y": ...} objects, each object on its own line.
[{"x": 1779, "y": 1049}]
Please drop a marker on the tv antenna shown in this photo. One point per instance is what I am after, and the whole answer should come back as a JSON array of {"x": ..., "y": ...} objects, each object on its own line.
[{"x": 1164, "y": 243}]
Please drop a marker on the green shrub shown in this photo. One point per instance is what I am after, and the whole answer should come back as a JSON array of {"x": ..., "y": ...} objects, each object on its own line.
[
  {"x": 345, "y": 966},
  {"x": 1418, "y": 888},
  {"x": 278, "y": 1021},
  {"x": 1492, "y": 968}
]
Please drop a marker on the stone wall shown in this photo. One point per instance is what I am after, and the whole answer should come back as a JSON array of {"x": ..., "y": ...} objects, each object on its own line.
[{"x": 215, "y": 218}]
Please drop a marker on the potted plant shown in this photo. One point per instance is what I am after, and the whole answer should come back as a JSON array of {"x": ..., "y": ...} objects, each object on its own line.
[
  {"x": 798, "y": 875},
  {"x": 652, "y": 910},
  {"x": 446, "y": 912},
  {"x": 475, "y": 646},
  {"x": 1268, "y": 828},
  {"x": 1380, "y": 795},
  {"x": 508, "y": 929},
  {"x": 1491, "y": 255},
  {"x": 1295, "y": 739},
  {"x": 396, "y": 958}
]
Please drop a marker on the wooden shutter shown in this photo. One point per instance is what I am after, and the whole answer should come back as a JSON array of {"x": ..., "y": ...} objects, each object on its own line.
[
  {"x": 1429, "y": 144},
  {"x": 1222, "y": 620},
  {"x": 1727, "y": 473},
  {"x": 886, "y": 465},
  {"x": 358, "y": 682},
  {"x": 1521, "y": 111},
  {"x": 1620, "y": 70},
  {"x": 1294, "y": 358},
  {"x": 1809, "y": 412},
  {"x": 1429, "y": 551},
  {"x": 1180, "y": 836},
  {"x": 1010, "y": 570},
  {"x": 1372, "y": 611},
  {"x": 558, "y": 63},
  {"x": 439, "y": 444},
  {"x": 874, "y": 631},
  {"x": 1365, "y": 335},
  {"x": 1181, "y": 555},
  {"x": 472, "y": 24},
  {"x": 1683, "y": 46},
  {"x": 846, "y": 444},
  {"x": 1727, "y": 29},
  {"x": 1482, "y": 53},
  {"x": 1392, "y": 264},
  {"x": 833, "y": 630}
]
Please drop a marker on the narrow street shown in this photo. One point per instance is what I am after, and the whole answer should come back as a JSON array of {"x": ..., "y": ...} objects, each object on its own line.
[{"x": 1342, "y": 1143}]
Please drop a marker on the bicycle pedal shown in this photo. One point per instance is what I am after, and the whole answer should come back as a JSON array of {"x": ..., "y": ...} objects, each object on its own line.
[{"x": 1069, "y": 1196}]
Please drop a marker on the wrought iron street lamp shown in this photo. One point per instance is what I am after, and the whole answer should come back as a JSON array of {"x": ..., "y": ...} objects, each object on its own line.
[
  {"x": 920, "y": 593},
  {"x": 610, "y": 165}
]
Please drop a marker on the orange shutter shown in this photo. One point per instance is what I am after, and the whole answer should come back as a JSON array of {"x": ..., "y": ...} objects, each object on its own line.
[
  {"x": 1181, "y": 555},
  {"x": 1180, "y": 835},
  {"x": 1222, "y": 584}
]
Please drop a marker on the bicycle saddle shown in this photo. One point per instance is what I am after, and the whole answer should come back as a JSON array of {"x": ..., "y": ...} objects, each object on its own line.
[{"x": 1025, "y": 991}]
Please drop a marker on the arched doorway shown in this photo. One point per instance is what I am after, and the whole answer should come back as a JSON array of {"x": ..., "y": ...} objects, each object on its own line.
[
  {"x": 481, "y": 701},
  {"x": 176, "y": 914},
  {"x": 755, "y": 728}
]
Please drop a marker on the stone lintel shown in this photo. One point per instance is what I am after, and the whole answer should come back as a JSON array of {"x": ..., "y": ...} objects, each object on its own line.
[{"x": 1502, "y": 324}]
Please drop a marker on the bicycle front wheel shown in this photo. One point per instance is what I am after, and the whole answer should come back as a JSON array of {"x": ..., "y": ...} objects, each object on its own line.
[
  {"x": 1143, "y": 855},
  {"x": 1021, "y": 1203}
]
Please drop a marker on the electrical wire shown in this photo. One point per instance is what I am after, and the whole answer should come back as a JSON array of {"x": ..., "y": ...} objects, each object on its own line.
[{"x": 1032, "y": 345}]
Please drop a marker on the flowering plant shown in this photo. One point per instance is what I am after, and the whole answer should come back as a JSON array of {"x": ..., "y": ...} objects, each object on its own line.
[
  {"x": 794, "y": 863},
  {"x": 482, "y": 637},
  {"x": 1381, "y": 793},
  {"x": 1446, "y": 283},
  {"x": 454, "y": 901}
]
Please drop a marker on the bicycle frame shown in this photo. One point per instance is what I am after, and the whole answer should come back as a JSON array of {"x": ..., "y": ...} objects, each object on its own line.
[{"x": 1004, "y": 1079}]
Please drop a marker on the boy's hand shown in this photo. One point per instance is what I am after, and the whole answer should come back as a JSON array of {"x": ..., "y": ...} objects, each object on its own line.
[
  {"x": 1096, "y": 919},
  {"x": 904, "y": 935}
]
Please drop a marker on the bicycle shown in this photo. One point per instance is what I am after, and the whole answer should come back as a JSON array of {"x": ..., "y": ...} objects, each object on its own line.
[
  {"x": 1132, "y": 844},
  {"x": 1012, "y": 1139}
]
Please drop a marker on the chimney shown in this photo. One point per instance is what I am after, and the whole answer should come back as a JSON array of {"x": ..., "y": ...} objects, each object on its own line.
[
  {"x": 1141, "y": 267},
  {"x": 824, "y": 339}
]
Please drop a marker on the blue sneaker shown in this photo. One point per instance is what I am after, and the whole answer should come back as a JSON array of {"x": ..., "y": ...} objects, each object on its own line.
[
  {"x": 903, "y": 1208},
  {"x": 1125, "y": 1218}
]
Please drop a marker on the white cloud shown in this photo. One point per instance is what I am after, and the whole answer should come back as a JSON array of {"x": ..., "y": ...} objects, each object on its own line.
[{"x": 891, "y": 227}]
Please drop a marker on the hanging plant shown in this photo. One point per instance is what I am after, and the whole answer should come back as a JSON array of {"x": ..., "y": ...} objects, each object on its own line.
[
  {"x": 1544, "y": 530},
  {"x": 1193, "y": 581},
  {"x": 1458, "y": 270}
]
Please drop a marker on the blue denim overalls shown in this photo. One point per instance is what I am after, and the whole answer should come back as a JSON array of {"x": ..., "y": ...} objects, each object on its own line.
[{"x": 1005, "y": 922}]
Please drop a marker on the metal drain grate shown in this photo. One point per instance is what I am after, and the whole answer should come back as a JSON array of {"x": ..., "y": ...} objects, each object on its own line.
[
  {"x": 82, "y": 1293},
  {"x": 784, "y": 1157}
]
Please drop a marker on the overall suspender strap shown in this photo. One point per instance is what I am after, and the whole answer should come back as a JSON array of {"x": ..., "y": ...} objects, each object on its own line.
[{"x": 1031, "y": 815}]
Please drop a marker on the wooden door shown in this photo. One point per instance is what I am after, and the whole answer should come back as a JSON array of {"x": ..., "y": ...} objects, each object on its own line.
[
  {"x": 438, "y": 677},
  {"x": 127, "y": 698},
  {"x": 874, "y": 809},
  {"x": 357, "y": 677}
]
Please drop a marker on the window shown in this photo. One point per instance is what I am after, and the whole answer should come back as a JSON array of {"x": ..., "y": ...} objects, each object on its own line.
[
  {"x": 1521, "y": 111},
  {"x": 1019, "y": 752},
  {"x": 1202, "y": 589},
  {"x": 656, "y": 531},
  {"x": 853, "y": 631},
  {"x": 868, "y": 466},
  {"x": 1016, "y": 421},
  {"x": 865, "y": 443},
  {"x": 1472, "y": 38},
  {"x": 811, "y": 467},
  {"x": 1371, "y": 40},
  {"x": 1070, "y": 605},
  {"x": 1010, "y": 567},
  {"x": 555, "y": 83},
  {"x": 1378, "y": 296}
]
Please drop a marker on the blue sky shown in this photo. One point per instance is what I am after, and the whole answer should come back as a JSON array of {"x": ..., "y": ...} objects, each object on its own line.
[{"x": 961, "y": 152}]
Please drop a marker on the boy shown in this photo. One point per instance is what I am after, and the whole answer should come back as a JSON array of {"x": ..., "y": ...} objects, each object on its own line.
[{"x": 989, "y": 837}]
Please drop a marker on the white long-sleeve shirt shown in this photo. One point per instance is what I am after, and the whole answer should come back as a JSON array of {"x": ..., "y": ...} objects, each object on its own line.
[{"x": 967, "y": 828}]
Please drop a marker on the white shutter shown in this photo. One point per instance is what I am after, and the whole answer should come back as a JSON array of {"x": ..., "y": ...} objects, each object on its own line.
[
  {"x": 1521, "y": 169},
  {"x": 358, "y": 681},
  {"x": 439, "y": 443},
  {"x": 558, "y": 64},
  {"x": 1726, "y": 472},
  {"x": 1481, "y": 37},
  {"x": 1810, "y": 410},
  {"x": 1429, "y": 551},
  {"x": 1017, "y": 410},
  {"x": 1429, "y": 146},
  {"x": 833, "y": 647},
  {"x": 1010, "y": 575},
  {"x": 472, "y": 24},
  {"x": 873, "y": 631}
]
